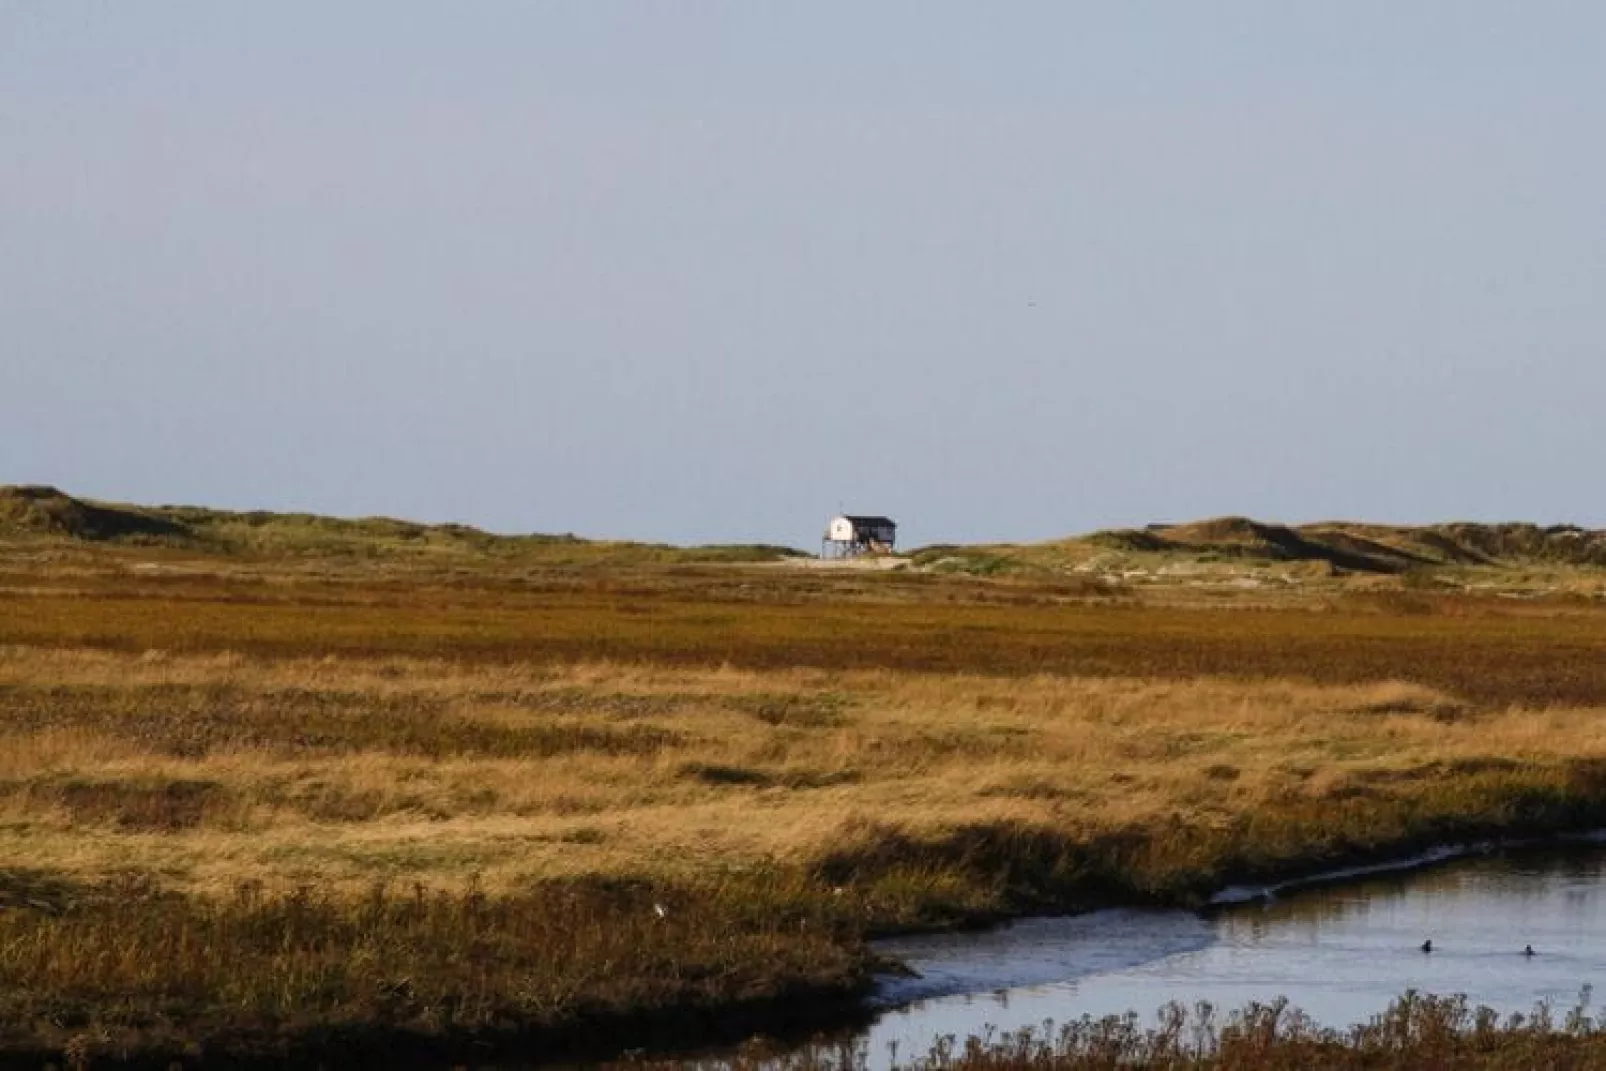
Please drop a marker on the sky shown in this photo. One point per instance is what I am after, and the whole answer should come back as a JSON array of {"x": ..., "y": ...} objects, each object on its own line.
[{"x": 712, "y": 271}]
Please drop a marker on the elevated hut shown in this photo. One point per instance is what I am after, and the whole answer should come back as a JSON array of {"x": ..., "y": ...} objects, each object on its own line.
[{"x": 849, "y": 536}]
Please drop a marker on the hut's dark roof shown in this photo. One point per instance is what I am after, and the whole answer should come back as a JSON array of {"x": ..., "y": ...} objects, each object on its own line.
[{"x": 870, "y": 522}]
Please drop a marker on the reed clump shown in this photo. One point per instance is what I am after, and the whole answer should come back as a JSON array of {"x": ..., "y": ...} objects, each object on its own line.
[{"x": 1416, "y": 1033}]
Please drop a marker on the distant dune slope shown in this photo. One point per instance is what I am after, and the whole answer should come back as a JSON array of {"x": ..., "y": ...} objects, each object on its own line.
[
  {"x": 1340, "y": 545},
  {"x": 36, "y": 513},
  {"x": 45, "y": 511},
  {"x": 1389, "y": 548}
]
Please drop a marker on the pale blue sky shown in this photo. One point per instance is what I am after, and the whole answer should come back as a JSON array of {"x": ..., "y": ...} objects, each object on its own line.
[{"x": 705, "y": 271}]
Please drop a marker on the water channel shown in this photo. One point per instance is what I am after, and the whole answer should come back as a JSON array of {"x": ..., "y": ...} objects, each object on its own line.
[{"x": 1340, "y": 952}]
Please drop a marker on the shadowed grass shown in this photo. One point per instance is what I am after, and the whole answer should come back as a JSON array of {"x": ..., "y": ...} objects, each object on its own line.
[{"x": 131, "y": 972}]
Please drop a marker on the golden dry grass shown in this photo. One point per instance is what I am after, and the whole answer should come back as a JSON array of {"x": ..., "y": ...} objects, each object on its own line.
[{"x": 210, "y": 770}]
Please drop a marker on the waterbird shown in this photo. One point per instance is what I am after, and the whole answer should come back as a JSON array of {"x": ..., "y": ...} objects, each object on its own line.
[
  {"x": 1427, "y": 946},
  {"x": 1527, "y": 950}
]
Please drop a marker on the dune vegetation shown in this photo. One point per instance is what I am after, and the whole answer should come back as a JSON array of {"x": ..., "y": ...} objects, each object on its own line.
[
  {"x": 284, "y": 797},
  {"x": 38, "y": 514}
]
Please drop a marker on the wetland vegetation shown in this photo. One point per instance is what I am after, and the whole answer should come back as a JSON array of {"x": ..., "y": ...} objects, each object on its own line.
[
  {"x": 277, "y": 786},
  {"x": 1418, "y": 1032}
]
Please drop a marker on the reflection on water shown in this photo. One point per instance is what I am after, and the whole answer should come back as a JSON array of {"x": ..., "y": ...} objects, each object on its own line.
[
  {"x": 1037, "y": 952},
  {"x": 1339, "y": 953}
]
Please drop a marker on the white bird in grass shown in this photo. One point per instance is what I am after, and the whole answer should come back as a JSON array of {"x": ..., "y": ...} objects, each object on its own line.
[{"x": 660, "y": 910}]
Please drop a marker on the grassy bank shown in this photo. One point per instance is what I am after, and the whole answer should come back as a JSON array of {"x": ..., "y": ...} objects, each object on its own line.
[
  {"x": 277, "y": 805},
  {"x": 405, "y": 976}
]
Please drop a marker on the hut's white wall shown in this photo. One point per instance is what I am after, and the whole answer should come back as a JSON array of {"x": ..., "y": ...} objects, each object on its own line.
[{"x": 840, "y": 530}]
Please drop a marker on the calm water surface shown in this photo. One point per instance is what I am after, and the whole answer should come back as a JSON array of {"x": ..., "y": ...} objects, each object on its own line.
[{"x": 1340, "y": 953}]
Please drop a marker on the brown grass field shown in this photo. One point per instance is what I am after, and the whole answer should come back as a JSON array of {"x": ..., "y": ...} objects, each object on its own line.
[{"x": 275, "y": 804}]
